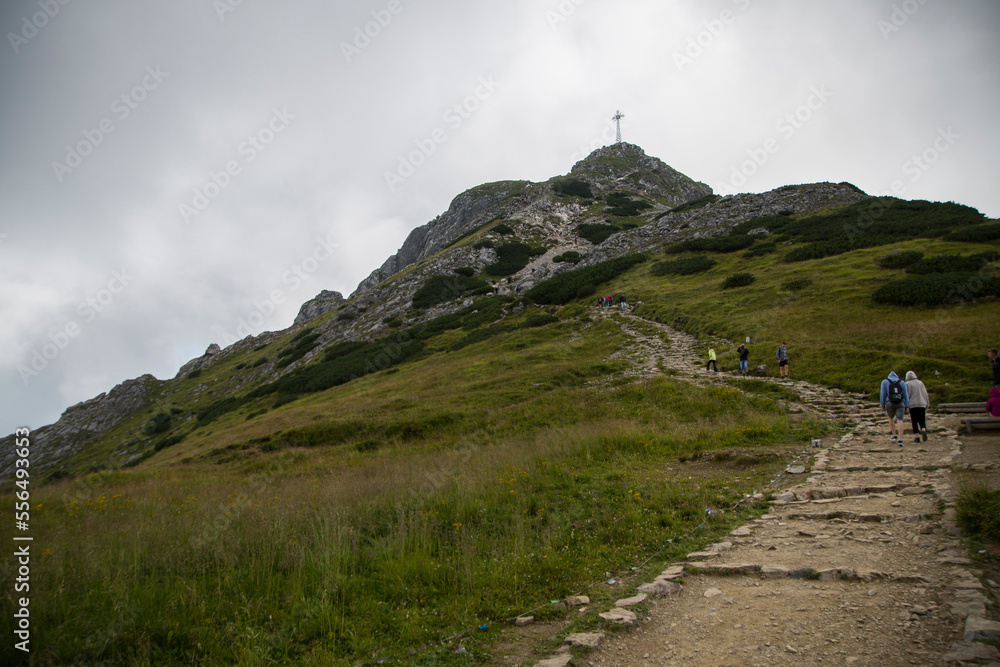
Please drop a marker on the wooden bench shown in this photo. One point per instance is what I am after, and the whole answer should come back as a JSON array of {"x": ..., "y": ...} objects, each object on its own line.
[
  {"x": 970, "y": 408},
  {"x": 981, "y": 423}
]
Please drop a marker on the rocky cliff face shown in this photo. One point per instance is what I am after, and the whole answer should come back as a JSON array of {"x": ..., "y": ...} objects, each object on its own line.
[{"x": 79, "y": 425}]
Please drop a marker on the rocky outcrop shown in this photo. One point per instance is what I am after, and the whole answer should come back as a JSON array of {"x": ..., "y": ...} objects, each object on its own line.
[
  {"x": 78, "y": 425},
  {"x": 469, "y": 210},
  {"x": 627, "y": 167},
  {"x": 211, "y": 355},
  {"x": 320, "y": 304}
]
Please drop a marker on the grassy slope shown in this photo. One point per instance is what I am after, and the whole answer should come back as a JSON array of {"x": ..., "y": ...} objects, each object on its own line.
[
  {"x": 516, "y": 480},
  {"x": 835, "y": 335},
  {"x": 464, "y": 487}
]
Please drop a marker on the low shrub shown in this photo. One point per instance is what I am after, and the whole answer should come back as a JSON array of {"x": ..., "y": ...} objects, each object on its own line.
[
  {"x": 977, "y": 510},
  {"x": 596, "y": 233},
  {"x": 503, "y": 229},
  {"x": 565, "y": 287},
  {"x": 538, "y": 320},
  {"x": 948, "y": 264},
  {"x": 160, "y": 423},
  {"x": 623, "y": 206},
  {"x": 796, "y": 284},
  {"x": 900, "y": 259},
  {"x": 936, "y": 289},
  {"x": 572, "y": 186},
  {"x": 728, "y": 243},
  {"x": 760, "y": 249},
  {"x": 511, "y": 258},
  {"x": 976, "y": 234},
  {"x": 738, "y": 280},
  {"x": 683, "y": 267},
  {"x": 569, "y": 256},
  {"x": 440, "y": 289},
  {"x": 466, "y": 271}
]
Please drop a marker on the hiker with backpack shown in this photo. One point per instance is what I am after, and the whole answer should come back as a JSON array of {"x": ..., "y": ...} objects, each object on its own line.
[
  {"x": 782, "y": 356},
  {"x": 744, "y": 359},
  {"x": 919, "y": 402},
  {"x": 895, "y": 400}
]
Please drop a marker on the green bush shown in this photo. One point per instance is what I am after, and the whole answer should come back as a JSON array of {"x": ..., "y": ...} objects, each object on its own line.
[
  {"x": 160, "y": 423},
  {"x": 948, "y": 264},
  {"x": 565, "y": 287},
  {"x": 511, "y": 258},
  {"x": 301, "y": 345},
  {"x": 936, "y": 289},
  {"x": 976, "y": 234},
  {"x": 572, "y": 186},
  {"x": 440, "y": 289},
  {"x": 585, "y": 290},
  {"x": 478, "y": 245},
  {"x": 503, "y": 229},
  {"x": 760, "y": 249},
  {"x": 568, "y": 256},
  {"x": 683, "y": 267},
  {"x": 728, "y": 243},
  {"x": 977, "y": 511},
  {"x": 623, "y": 206},
  {"x": 900, "y": 259},
  {"x": 874, "y": 222},
  {"x": 738, "y": 280},
  {"x": 596, "y": 233},
  {"x": 693, "y": 204},
  {"x": 194, "y": 374},
  {"x": 796, "y": 284},
  {"x": 168, "y": 442},
  {"x": 466, "y": 271}
]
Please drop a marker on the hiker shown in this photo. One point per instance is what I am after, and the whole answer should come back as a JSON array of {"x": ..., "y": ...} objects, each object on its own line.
[
  {"x": 996, "y": 367},
  {"x": 993, "y": 405},
  {"x": 782, "y": 356},
  {"x": 894, "y": 400},
  {"x": 919, "y": 402},
  {"x": 744, "y": 359},
  {"x": 622, "y": 299},
  {"x": 711, "y": 360}
]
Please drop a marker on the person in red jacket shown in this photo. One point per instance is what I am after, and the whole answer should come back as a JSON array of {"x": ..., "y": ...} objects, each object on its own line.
[{"x": 993, "y": 405}]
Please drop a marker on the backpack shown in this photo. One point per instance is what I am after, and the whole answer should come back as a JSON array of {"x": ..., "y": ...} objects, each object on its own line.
[{"x": 895, "y": 392}]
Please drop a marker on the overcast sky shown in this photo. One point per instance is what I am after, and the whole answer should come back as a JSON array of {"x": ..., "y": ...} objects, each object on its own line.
[{"x": 173, "y": 171}]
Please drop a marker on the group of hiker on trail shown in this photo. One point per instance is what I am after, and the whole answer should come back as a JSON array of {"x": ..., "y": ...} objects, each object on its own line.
[
  {"x": 744, "y": 354},
  {"x": 609, "y": 301},
  {"x": 897, "y": 398}
]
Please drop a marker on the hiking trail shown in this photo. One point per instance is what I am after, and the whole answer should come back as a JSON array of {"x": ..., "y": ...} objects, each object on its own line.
[{"x": 858, "y": 563}]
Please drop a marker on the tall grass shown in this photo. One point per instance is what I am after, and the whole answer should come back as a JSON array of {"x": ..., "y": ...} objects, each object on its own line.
[{"x": 330, "y": 555}]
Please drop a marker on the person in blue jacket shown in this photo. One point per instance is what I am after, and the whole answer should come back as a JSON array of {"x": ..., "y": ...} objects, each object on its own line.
[{"x": 895, "y": 400}]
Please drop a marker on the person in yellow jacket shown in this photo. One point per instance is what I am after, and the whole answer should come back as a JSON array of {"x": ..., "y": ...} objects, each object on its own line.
[{"x": 711, "y": 360}]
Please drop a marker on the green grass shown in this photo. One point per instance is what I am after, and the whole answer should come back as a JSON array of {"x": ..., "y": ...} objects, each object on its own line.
[
  {"x": 391, "y": 512},
  {"x": 823, "y": 308}
]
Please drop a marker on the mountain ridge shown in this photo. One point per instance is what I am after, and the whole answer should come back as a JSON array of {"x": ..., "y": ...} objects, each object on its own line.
[{"x": 461, "y": 237}]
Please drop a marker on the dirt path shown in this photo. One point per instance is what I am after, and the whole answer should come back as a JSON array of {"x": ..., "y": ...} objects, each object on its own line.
[{"x": 858, "y": 564}]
